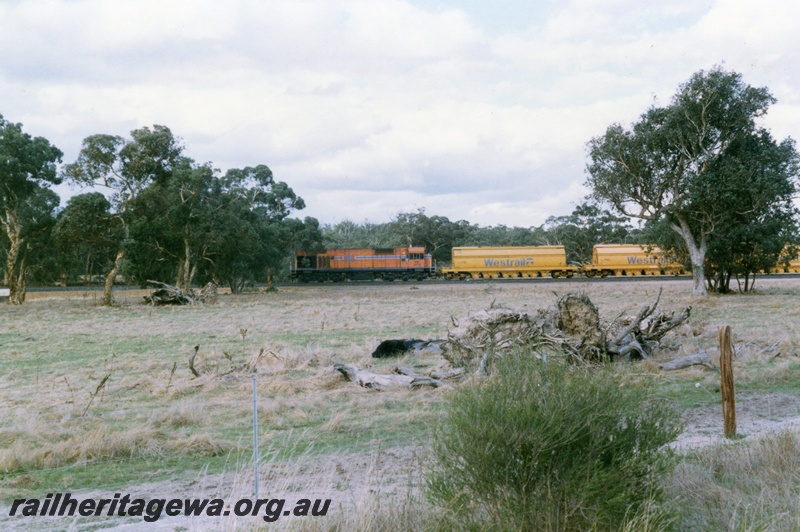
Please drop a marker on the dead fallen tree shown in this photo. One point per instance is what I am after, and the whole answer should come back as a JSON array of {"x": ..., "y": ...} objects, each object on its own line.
[
  {"x": 172, "y": 295},
  {"x": 572, "y": 326},
  {"x": 401, "y": 378},
  {"x": 698, "y": 359}
]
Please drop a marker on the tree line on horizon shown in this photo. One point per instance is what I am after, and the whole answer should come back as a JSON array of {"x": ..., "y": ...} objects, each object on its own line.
[{"x": 707, "y": 184}]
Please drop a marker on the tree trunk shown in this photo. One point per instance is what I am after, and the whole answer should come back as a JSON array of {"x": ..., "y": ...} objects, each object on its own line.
[
  {"x": 108, "y": 296},
  {"x": 22, "y": 282},
  {"x": 698, "y": 275},
  {"x": 236, "y": 284},
  {"x": 179, "y": 274},
  {"x": 13, "y": 274},
  {"x": 87, "y": 267},
  {"x": 185, "y": 274},
  {"x": 697, "y": 255}
]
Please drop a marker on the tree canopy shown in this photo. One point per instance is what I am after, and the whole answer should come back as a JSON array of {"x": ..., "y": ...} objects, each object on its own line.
[
  {"x": 690, "y": 163},
  {"x": 588, "y": 225},
  {"x": 27, "y": 165},
  {"x": 125, "y": 167},
  {"x": 86, "y": 234}
]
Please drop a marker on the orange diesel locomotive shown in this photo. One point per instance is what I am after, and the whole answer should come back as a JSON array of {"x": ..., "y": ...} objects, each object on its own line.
[{"x": 364, "y": 265}]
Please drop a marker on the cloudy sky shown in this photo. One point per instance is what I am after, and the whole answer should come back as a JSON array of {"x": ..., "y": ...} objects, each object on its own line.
[{"x": 476, "y": 110}]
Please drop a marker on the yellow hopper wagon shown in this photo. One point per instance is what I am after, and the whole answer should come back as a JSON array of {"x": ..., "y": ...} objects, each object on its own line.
[
  {"x": 630, "y": 259},
  {"x": 509, "y": 262}
]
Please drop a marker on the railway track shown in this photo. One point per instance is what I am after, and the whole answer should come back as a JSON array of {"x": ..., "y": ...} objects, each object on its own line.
[{"x": 134, "y": 290}]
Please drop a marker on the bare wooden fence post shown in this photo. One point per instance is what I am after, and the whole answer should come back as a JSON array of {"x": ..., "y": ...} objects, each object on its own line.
[{"x": 727, "y": 388}]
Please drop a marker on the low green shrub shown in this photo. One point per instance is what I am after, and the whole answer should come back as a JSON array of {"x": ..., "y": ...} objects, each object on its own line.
[{"x": 552, "y": 447}]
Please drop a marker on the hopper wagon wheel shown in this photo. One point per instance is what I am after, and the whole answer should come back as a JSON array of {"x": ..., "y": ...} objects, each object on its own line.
[{"x": 555, "y": 275}]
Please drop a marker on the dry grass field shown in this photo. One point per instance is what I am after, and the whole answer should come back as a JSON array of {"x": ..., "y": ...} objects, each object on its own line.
[{"x": 98, "y": 400}]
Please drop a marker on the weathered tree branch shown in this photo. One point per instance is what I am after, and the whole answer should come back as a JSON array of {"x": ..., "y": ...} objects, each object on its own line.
[
  {"x": 374, "y": 381},
  {"x": 698, "y": 359}
]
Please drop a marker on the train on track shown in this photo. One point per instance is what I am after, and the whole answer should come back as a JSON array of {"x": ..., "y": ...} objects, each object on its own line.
[
  {"x": 551, "y": 261},
  {"x": 412, "y": 263},
  {"x": 389, "y": 264},
  {"x": 509, "y": 262}
]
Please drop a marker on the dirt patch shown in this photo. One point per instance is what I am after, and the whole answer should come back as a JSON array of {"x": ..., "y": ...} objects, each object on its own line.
[{"x": 758, "y": 414}]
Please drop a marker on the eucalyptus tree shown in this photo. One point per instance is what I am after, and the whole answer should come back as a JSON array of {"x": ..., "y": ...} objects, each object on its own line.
[
  {"x": 249, "y": 237},
  {"x": 87, "y": 234},
  {"x": 756, "y": 220},
  {"x": 348, "y": 234},
  {"x": 125, "y": 167},
  {"x": 27, "y": 165},
  {"x": 667, "y": 163},
  {"x": 38, "y": 258},
  {"x": 170, "y": 231},
  {"x": 436, "y": 233},
  {"x": 502, "y": 235},
  {"x": 306, "y": 234}
]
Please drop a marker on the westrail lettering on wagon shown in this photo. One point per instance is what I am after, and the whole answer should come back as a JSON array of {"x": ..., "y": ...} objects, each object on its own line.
[
  {"x": 509, "y": 263},
  {"x": 649, "y": 260}
]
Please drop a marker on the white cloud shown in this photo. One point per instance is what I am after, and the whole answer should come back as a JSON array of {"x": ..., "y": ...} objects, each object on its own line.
[{"x": 372, "y": 107}]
